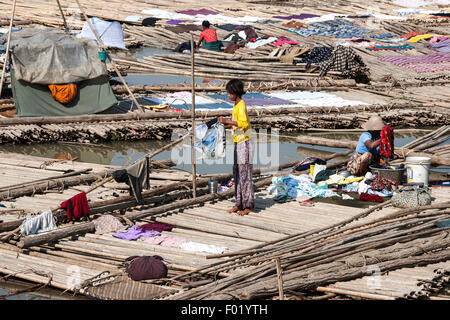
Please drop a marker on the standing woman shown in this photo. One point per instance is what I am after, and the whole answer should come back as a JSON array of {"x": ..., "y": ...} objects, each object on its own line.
[{"x": 243, "y": 149}]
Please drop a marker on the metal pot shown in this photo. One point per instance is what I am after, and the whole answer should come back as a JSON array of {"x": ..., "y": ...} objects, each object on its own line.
[{"x": 212, "y": 186}]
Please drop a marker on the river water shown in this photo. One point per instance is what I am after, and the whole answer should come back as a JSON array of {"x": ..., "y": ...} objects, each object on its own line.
[{"x": 269, "y": 150}]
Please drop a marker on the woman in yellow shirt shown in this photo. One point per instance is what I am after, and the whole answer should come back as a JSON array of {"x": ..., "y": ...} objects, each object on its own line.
[{"x": 242, "y": 168}]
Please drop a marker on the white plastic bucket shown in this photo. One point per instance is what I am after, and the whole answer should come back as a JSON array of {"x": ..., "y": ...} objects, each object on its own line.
[{"x": 417, "y": 169}]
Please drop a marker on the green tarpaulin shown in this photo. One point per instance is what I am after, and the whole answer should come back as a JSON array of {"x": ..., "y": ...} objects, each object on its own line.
[{"x": 34, "y": 100}]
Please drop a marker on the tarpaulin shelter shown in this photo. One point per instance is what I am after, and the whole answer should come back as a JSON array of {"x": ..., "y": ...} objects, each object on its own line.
[{"x": 43, "y": 57}]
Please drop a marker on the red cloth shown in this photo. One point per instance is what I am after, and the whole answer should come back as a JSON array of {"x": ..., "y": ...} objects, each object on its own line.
[
  {"x": 387, "y": 142},
  {"x": 381, "y": 183},
  {"x": 370, "y": 197},
  {"x": 412, "y": 34},
  {"x": 76, "y": 207},
  {"x": 209, "y": 35},
  {"x": 157, "y": 226}
]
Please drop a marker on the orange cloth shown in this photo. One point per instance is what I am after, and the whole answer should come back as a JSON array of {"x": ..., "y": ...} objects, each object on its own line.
[{"x": 63, "y": 93}]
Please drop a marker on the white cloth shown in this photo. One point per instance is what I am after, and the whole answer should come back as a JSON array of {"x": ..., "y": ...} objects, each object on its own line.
[
  {"x": 317, "y": 169},
  {"x": 133, "y": 18},
  {"x": 110, "y": 33},
  {"x": 346, "y": 197},
  {"x": 369, "y": 176},
  {"x": 325, "y": 17},
  {"x": 180, "y": 98},
  {"x": 259, "y": 43},
  {"x": 316, "y": 99},
  {"x": 382, "y": 16},
  {"x": 300, "y": 95},
  {"x": 41, "y": 223},
  {"x": 242, "y": 35},
  {"x": 329, "y": 102},
  {"x": 363, "y": 187},
  {"x": 198, "y": 19},
  {"x": 213, "y": 144},
  {"x": 201, "y": 247},
  {"x": 412, "y": 3},
  {"x": 200, "y": 131}
]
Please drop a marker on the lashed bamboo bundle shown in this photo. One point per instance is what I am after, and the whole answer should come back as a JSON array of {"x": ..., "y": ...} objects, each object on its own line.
[
  {"x": 160, "y": 125},
  {"x": 328, "y": 255},
  {"x": 309, "y": 84},
  {"x": 218, "y": 67}
]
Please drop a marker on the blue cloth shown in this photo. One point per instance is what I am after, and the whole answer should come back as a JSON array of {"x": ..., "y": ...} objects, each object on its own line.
[
  {"x": 382, "y": 36},
  {"x": 292, "y": 186},
  {"x": 222, "y": 105},
  {"x": 393, "y": 40},
  {"x": 362, "y": 148},
  {"x": 247, "y": 95},
  {"x": 382, "y": 193},
  {"x": 351, "y": 187},
  {"x": 212, "y": 144},
  {"x": 209, "y": 140},
  {"x": 333, "y": 28}
]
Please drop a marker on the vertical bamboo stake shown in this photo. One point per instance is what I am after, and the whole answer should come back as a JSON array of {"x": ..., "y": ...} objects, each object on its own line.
[
  {"x": 280, "y": 279},
  {"x": 112, "y": 62},
  {"x": 7, "y": 47},
  {"x": 194, "y": 169},
  {"x": 62, "y": 14}
]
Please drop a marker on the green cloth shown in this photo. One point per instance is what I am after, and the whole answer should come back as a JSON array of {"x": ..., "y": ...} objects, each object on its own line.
[
  {"x": 323, "y": 175},
  {"x": 35, "y": 100},
  {"x": 213, "y": 46}
]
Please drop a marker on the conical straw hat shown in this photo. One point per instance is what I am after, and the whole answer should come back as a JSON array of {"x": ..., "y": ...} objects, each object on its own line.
[{"x": 374, "y": 123}]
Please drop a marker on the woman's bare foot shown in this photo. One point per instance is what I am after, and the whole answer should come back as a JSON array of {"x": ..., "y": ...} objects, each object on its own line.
[
  {"x": 233, "y": 210},
  {"x": 245, "y": 212}
]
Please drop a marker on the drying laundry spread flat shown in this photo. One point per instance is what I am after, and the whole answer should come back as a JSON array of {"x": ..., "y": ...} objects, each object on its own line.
[
  {"x": 41, "y": 223},
  {"x": 134, "y": 233}
]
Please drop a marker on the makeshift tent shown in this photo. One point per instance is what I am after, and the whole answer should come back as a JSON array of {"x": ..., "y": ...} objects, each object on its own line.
[{"x": 43, "y": 57}]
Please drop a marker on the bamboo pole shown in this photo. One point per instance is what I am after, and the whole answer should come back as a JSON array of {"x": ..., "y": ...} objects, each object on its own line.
[
  {"x": 112, "y": 62},
  {"x": 280, "y": 279},
  {"x": 5, "y": 63},
  {"x": 62, "y": 15},
  {"x": 194, "y": 168}
]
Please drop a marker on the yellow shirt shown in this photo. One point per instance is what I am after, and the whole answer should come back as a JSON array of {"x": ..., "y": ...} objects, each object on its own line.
[
  {"x": 241, "y": 133},
  {"x": 424, "y": 36}
]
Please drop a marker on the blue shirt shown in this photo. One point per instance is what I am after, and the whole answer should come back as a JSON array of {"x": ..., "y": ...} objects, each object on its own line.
[{"x": 362, "y": 148}]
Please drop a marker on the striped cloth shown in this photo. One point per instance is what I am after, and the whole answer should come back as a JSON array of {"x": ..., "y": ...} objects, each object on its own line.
[{"x": 425, "y": 63}]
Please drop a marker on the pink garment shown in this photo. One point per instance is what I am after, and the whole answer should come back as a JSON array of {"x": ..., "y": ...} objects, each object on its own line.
[
  {"x": 281, "y": 42},
  {"x": 108, "y": 223},
  {"x": 436, "y": 38},
  {"x": 165, "y": 240}
]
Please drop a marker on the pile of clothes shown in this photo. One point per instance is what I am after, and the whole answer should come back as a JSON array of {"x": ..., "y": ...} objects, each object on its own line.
[
  {"x": 372, "y": 185},
  {"x": 324, "y": 183}
]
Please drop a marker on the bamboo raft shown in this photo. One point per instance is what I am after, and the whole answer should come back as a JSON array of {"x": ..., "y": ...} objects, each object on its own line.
[
  {"x": 283, "y": 250},
  {"x": 52, "y": 263},
  {"x": 159, "y": 126}
]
